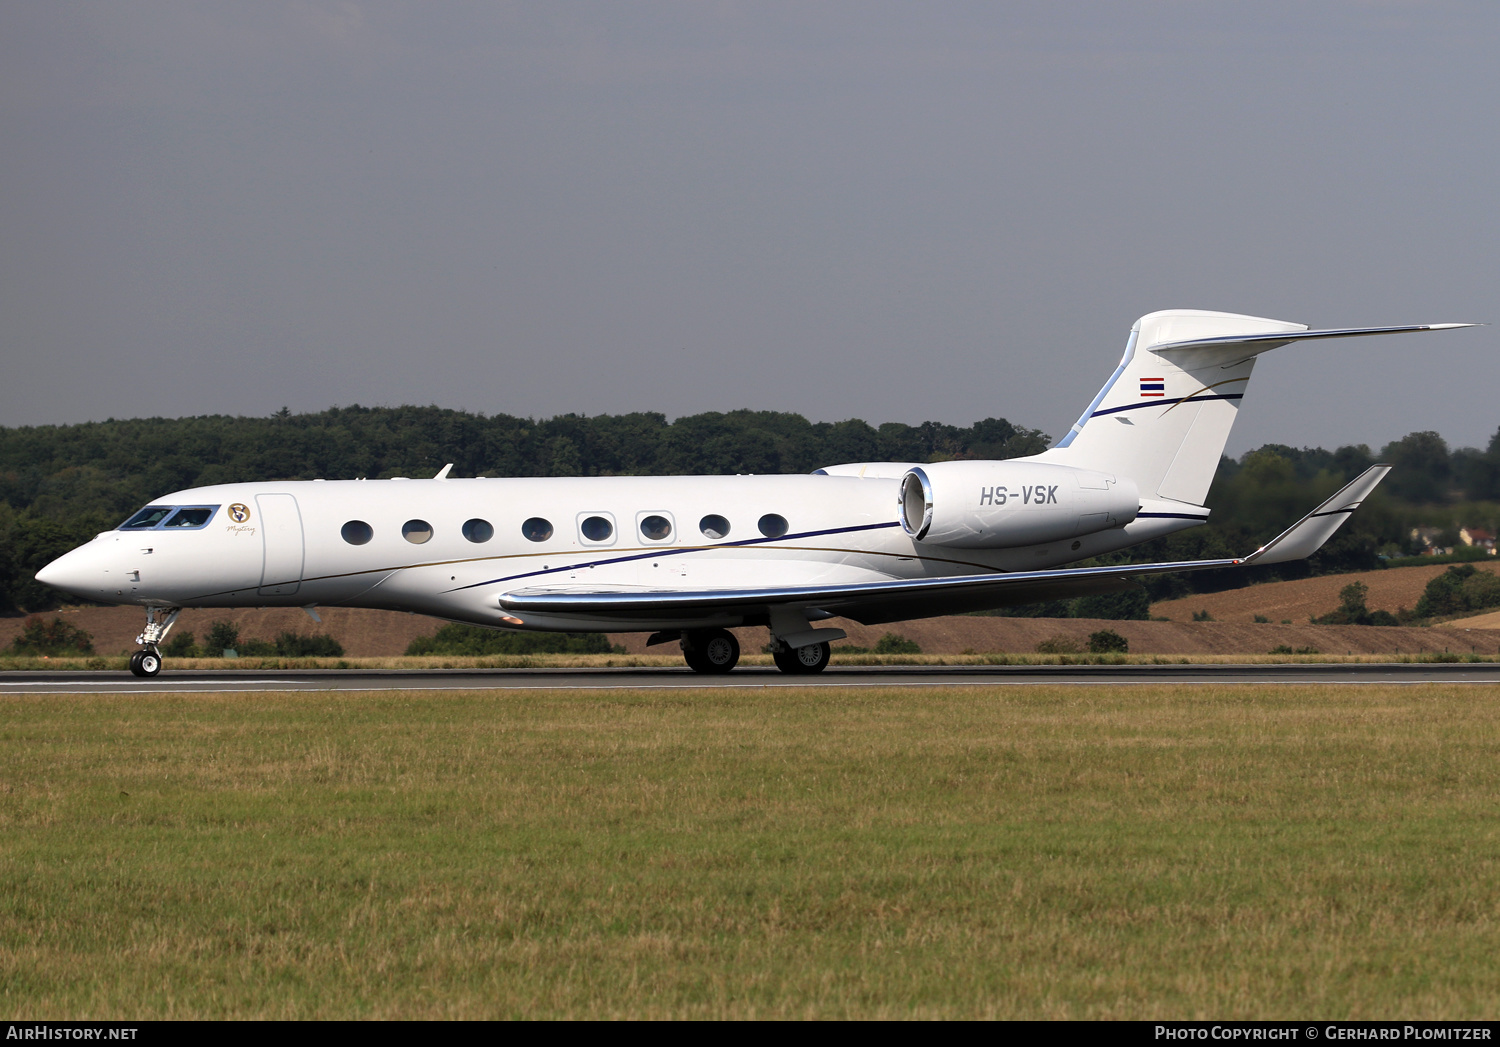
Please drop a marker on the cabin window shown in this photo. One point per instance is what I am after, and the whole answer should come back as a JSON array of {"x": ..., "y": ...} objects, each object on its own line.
[
  {"x": 656, "y": 528},
  {"x": 714, "y": 526},
  {"x": 536, "y": 529},
  {"x": 417, "y": 532},
  {"x": 146, "y": 518},
  {"x": 596, "y": 528},
  {"x": 357, "y": 532},
  {"x": 197, "y": 516},
  {"x": 478, "y": 531},
  {"x": 772, "y": 525}
]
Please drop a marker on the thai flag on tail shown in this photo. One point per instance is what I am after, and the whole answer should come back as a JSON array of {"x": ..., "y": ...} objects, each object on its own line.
[{"x": 1153, "y": 387}]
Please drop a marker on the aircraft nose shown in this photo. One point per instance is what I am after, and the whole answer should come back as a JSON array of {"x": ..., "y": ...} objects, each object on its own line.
[{"x": 74, "y": 572}]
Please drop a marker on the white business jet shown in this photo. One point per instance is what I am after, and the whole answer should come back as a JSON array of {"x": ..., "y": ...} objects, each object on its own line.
[{"x": 688, "y": 557}]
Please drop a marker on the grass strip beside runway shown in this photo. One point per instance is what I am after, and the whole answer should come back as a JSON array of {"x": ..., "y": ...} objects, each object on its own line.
[
  {"x": 1140, "y": 852},
  {"x": 673, "y": 660}
]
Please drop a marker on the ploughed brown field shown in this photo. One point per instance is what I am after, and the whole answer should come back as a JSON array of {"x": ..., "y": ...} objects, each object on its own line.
[
  {"x": 384, "y": 633},
  {"x": 1390, "y": 590}
]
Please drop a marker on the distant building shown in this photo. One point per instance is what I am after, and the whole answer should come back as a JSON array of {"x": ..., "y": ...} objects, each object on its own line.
[
  {"x": 1477, "y": 536},
  {"x": 1427, "y": 538}
]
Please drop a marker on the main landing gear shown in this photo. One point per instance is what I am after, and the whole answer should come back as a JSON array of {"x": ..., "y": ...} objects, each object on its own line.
[
  {"x": 159, "y": 621},
  {"x": 711, "y": 650},
  {"x": 801, "y": 660},
  {"x": 717, "y": 651}
]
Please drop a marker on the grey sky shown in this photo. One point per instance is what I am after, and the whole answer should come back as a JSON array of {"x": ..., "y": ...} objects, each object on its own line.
[{"x": 888, "y": 211}]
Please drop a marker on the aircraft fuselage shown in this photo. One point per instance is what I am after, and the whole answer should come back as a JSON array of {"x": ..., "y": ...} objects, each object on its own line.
[{"x": 451, "y": 547}]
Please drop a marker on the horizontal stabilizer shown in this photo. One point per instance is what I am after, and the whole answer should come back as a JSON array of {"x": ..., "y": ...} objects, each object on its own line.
[
  {"x": 1229, "y": 349},
  {"x": 1308, "y": 534}
]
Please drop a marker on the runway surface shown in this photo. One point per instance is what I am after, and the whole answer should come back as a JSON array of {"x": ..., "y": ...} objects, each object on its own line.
[{"x": 651, "y": 678}]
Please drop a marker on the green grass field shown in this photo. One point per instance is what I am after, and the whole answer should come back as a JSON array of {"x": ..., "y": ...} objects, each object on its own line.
[{"x": 1125, "y": 852}]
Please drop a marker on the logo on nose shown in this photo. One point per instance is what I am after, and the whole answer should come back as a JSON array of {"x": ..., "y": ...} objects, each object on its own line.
[{"x": 239, "y": 512}]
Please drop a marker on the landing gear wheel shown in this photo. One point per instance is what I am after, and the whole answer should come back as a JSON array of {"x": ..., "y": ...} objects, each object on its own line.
[
  {"x": 716, "y": 651},
  {"x": 802, "y": 660},
  {"x": 145, "y": 663}
]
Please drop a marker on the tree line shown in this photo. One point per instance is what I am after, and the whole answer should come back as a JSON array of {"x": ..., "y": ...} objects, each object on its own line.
[
  {"x": 1255, "y": 497},
  {"x": 60, "y": 485}
]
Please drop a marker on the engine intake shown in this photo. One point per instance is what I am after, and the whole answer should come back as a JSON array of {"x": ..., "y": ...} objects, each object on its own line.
[{"x": 999, "y": 505}]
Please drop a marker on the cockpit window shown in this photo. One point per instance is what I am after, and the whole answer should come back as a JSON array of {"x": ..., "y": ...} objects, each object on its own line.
[
  {"x": 156, "y": 517},
  {"x": 147, "y": 518},
  {"x": 194, "y": 517}
]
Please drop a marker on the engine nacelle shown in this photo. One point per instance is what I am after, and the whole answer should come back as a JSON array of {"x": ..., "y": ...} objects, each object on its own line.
[{"x": 1003, "y": 504}]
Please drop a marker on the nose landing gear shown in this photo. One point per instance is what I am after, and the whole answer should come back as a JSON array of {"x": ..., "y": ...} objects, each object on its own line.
[
  {"x": 145, "y": 663},
  {"x": 159, "y": 621}
]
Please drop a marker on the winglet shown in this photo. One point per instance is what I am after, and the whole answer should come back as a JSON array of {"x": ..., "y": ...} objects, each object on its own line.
[
  {"x": 1308, "y": 534},
  {"x": 443, "y": 472}
]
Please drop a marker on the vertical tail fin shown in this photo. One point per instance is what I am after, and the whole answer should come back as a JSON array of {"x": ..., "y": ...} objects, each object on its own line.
[{"x": 1164, "y": 416}]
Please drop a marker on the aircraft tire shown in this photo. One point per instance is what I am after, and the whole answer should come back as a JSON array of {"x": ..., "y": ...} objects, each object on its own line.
[
  {"x": 145, "y": 663},
  {"x": 716, "y": 651},
  {"x": 803, "y": 661}
]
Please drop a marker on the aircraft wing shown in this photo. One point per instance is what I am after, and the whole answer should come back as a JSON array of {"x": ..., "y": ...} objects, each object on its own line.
[
  {"x": 872, "y": 603},
  {"x": 868, "y": 602}
]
